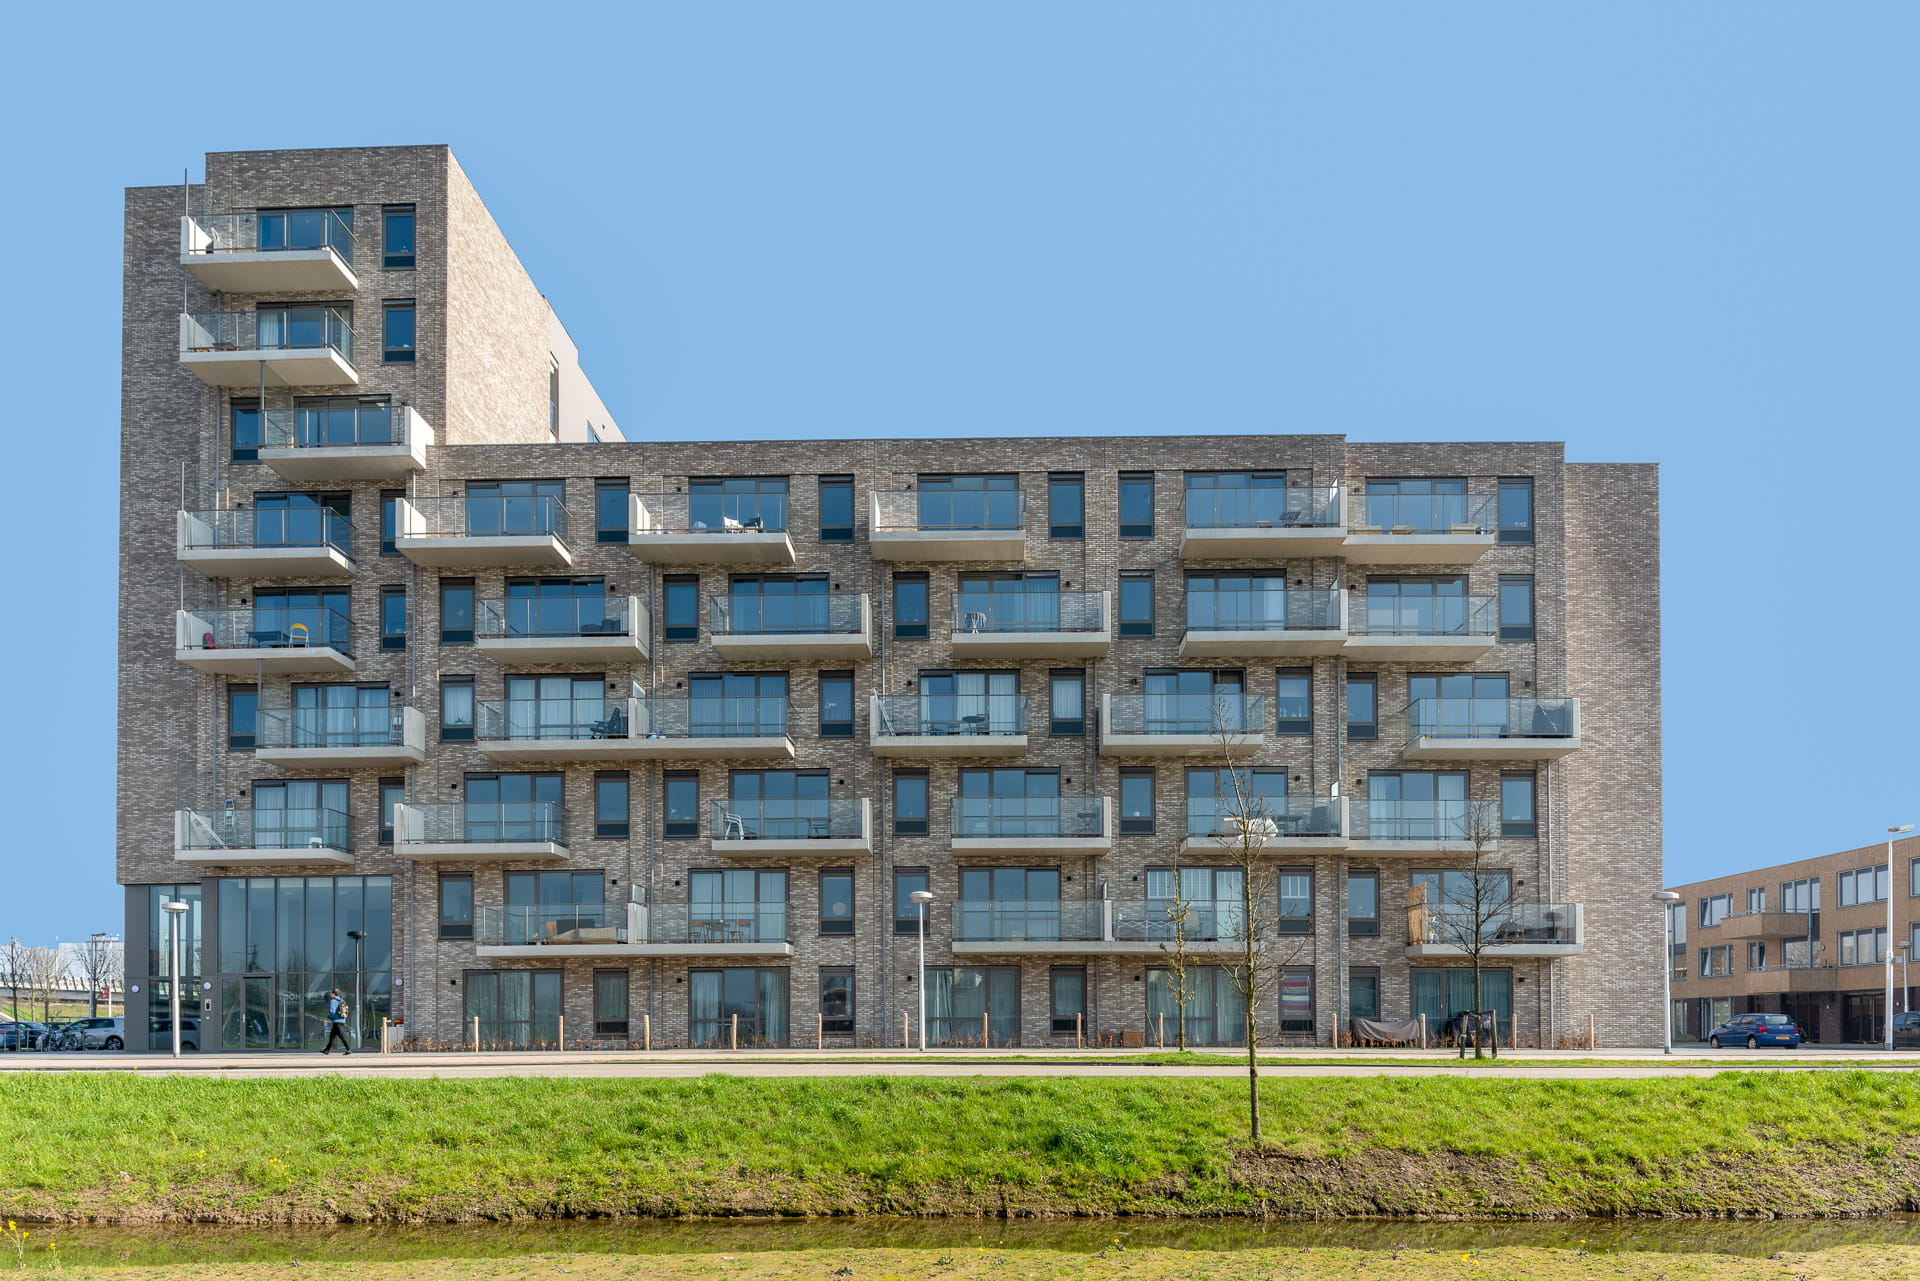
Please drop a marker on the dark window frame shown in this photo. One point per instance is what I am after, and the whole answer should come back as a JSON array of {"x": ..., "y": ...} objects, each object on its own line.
[
  {"x": 236, "y": 740},
  {"x": 1069, "y": 531},
  {"x": 1068, "y": 727},
  {"x": 390, "y": 520},
  {"x": 453, "y": 927},
  {"x": 681, "y": 829},
  {"x": 835, "y": 926},
  {"x": 607, "y": 1026},
  {"x": 458, "y": 635},
  {"x": 1520, "y": 828},
  {"x": 670, "y": 631},
  {"x": 837, "y": 533},
  {"x": 1363, "y": 927},
  {"x": 390, "y": 354},
  {"x": 603, "y": 533},
  {"x": 403, "y": 261},
  {"x": 837, "y": 729},
  {"x": 1362, "y": 731},
  {"x": 1295, "y": 925},
  {"x": 910, "y": 923},
  {"x": 921, "y": 826},
  {"x": 1294, "y": 727},
  {"x": 390, "y": 640},
  {"x": 1135, "y": 626},
  {"x": 1057, "y": 1023},
  {"x": 1515, "y": 535},
  {"x": 458, "y": 733},
  {"x": 839, "y": 1024},
  {"x": 619, "y": 828},
  {"x": 381, "y": 789},
  {"x": 1135, "y": 825},
  {"x": 1135, "y": 529},
  {"x": 913, "y": 629}
]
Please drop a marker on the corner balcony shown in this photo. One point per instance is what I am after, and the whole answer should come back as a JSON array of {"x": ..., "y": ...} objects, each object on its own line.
[
  {"x": 940, "y": 726},
  {"x": 1407, "y": 827},
  {"x": 995, "y": 625},
  {"x": 264, "y": 641},
  {"x": 710, "y": 930},
  {"x": 479, "y": 530},
  {"x": 1297, "y": 622},
  {"x": 480, "y": 831},
  {"x": 1182, "y": 724},
  {"x": 939, "y": 525},
  {"x": 745, "y": 828},
  {"x": 284, "y": 347},
  {"x": 1492, "y": 729},
  {"x": 562, "y": 629},
  {"x": 327, "y": 738},
  {"x": 369, "y": 442},
  {"x": 1435, "y": 629},
  {"x": 1419, "y": 529},
  {"x": 1059, "y": 825},
  {"x": 816, "y": 625},
  {"x": 273, "y": 542},
  {"x": 1516, "y": 930},
  {"x": 1279, "y": 825},
  {"x": 244, "y": 837},
  {"x": 709, "y": 529},
  {"x": 1093, "y": 927},
  {"x": 299, "y": 251},
  {"x": 1299, "y": 520}
]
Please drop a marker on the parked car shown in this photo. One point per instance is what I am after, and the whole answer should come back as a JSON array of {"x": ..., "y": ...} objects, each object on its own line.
[
  {"x": 100, "y": 1034},
  {"x": 1906, "y": 1031},
  {"x": 161, "y": 1031},
  {"x": 22, "y": 1034},
  {"x": 1756, "y": 1030}
]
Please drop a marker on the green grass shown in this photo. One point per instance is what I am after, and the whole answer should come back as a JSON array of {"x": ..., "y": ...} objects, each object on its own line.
[{"x": 119, "y": 1146}]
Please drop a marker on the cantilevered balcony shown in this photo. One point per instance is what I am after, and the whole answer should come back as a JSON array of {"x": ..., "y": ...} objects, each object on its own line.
[
  {"x": 476, "y": 530},
  {"x": 264, "y": 640},
  {"x": 947, "y": 525},
  {"x": 1440, "y": 629},
  {"x": 994, "y": 624},
  {"x": 1275, "y": 622},
  {"x": 1492, "y": 729},
  {"x": 752, "y": 626},
  {"x": 1276, "y": 824},
  {"x": 1297, "y": 520},
  {"x": 709, "y": 529},
  {"x": 1418, "y": 529},
  {"x": 480, "y": 831},
  {"x": 1182, "y": 724},
  {"x": 1064, "y": 825},
  {"x": 711, "y": 728},
  {"x": 935, "y": 726},
  {"x": 237, "y": 837},
  {"x": 556, "y": 729},
  {"x": 1094, "y": 927},
  {"x": 296, "y": 251},
  {"x": 555, "y": 931},
  {"x": 752, "y": 827},
  {"x": 1509, "y": 930},
  {"x": 331, "y": 738},
  {"x": 292, "y": 346},
  {"x": 562, "y": 629},
  {"x": 1756, "y": 926},
  {"x": 266, "y": 542},
  {"x": 361, "y": 442},
  {"x": 1383, "y": 827}
]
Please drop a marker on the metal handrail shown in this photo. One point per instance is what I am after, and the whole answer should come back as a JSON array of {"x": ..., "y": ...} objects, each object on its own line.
[
  {"x": 265, "y": 829},
  {"x": 258, "y": 527},
  {"x": 786, "y": 819},
  {"x": 1270, "y": 609},
  {"x": 265, "y": 627},
  {"x": 1045, "y": 817},
  {"x": 483, "y": 516},
  {"x": 296, "y": 229},
  {"x": 304, "y": 727},
  {"x": 532, "y": 617},
  {"x": 985, "y": 610},
  {"x": 1424, "y": 616},
  {"x": 480, "y": 823},
  {"x": 1422, "y": 513},
  {"x": 960, "y": 509},
  {"x": 1219, "y": 712},
  {"x": 717, "y": 514},
  {"x": 805, "y": 613},
  {"x": 1270, "y": 817},
  {"x": 288, "y": 328},
  {"x": 1275, "y": 507},
  {"x": 658, "y": 716},
  {"x": 960, "y": 714},
  {"x": 1491, "y": 717}
]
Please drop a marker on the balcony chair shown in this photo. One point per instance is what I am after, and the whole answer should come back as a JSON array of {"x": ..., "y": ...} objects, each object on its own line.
[{"x": 614, "y": 726}]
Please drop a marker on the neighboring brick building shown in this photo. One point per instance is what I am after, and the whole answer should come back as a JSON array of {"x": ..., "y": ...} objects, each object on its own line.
[
  {"x": 435, "y": 688},
  {"x": 1807, "y": 939}
]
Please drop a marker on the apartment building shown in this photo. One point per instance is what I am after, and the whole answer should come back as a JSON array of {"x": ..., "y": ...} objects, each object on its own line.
[
  {"x": 437, "y": 689},
  {"x": 1807, "y": 939}
]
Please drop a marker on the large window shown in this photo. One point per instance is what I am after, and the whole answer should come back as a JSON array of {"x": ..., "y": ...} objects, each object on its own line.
[
  {"x": 836, "y": 1000},
  {"x": 1189, "y": 701},
  {"x": 728, "y": 902},
  {"x": 737, "y": 1006},
  {"x": 1010, "y": 802},
  {"x": 973, "y": 1005},
  {"x": 515, "y": 1008},
  {"x": 513, "y": 807},
  {"x": 320, "y": 614},
  {"x": 1228, "y": 499},
  {"x": 738, "y": 502},
  {"x": 1715, "y": 908},
  {"x": 285, "y": 942},
  {"x": 1866, "y": 885},
  {"x": 764, "y": 604},
  {"x": 610, "y": 1003},
  {"x": 1067, "y": 1000},
  {"x": 998, "y": 903},
  {"x": 514, "y": 506},
  {"x": 969, "y": 502},
  {"x": 1443, "y": 994},
  {"x": 1459, "y": 886},
  {"x": 1800, "y": 896},
  {"x": 1424, "y": 504},
  {"x": 1296, "y": 999},
  {"x": 1757, "y": 899},
  {"x": 737, "y": 704},
  {"x": 1214, "y": 1011},
  {"x": 1416, "y": 805},
  {"x": 1717, "y": 962},
  {"x": 1212, "y": 900},
  {"x": 1417, "y": 604},
  {"x": 1066, "y": 505},
  {"x": 767, "y": 804},
  {"x": 1217, "y": 809},
  {"x": 1363, "y": 992},
  {"x": 1136, "y": 504}
]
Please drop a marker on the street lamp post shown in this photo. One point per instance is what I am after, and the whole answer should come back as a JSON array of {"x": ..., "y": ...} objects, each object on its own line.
[
  {"x": 175, "y": 910},
  {"x": 1892, "y": 832},
  {"x": 1666, "y": 899},
  {"x": 922, "y": 897},
  {"x": 359, "y": 938}
]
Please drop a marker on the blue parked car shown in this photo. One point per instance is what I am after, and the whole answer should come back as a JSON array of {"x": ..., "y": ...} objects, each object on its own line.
[{"x": 1756, "y": 1030}]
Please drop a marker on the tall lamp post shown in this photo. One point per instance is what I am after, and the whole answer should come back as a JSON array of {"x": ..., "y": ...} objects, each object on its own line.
[
  {"x": 922, "y": 897},
  {"x": 175, "y": 911},
  {"x": 1892, "y": 834},
  {"x": 1666, "y": 899},
  {"x": 359, "y": 938}
]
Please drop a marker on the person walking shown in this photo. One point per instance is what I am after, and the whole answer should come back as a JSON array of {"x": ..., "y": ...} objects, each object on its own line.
[{"x": 336, "y": 1022}]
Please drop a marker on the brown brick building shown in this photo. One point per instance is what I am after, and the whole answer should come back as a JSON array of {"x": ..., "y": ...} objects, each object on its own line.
[{"x": 436, "y": 689}]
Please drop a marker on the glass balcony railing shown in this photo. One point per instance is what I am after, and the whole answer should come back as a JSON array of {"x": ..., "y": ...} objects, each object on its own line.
[
  {"x": 1289, "y": 507},
  {"x": 485, "y": 516},
  {"x": 1044, "y": 817},
  {"x": 256, "y": 527},
  {"x": 265, "y": 829},
  {"x": 481, "y": 823},
  {"x": 235, "y": 233},
  {"x": 262, "y": 627},
  {"x": 1425, "y": 616},
  {"x": 535, "y": 617},
  {"x": 787, "y": 819},
  {"x": 1408, "y": 820},
  {"x": 987, "y": 610},
  {"x": 942, "y": 510},
  {"x": 1224, "y": 819},
  {"x": 535, "y": 719},
  {"x": 1273, "y": 609},
  {"x": 724, "y": 922},
  {"x": 541, "y": 924},
  {"x": 1509, "y": 925},
  {"x": 317, "y": 727},
  {"x": 1222, "y": 712},
  {"x": 708, "y": 514},
  {"x": 718, "y": 717},
  {"x": 936, "y": 714},
  {"x": 1422, "y": 513},
  {"x": 268, "y": 330},
  {"x": 321, "y": 428},
  {"x": 807, "y": 614},
  {"x": 1491, "y": 718},
  {"x": 1031, "y": 920},
  {"x": 1195, "y": 920}
]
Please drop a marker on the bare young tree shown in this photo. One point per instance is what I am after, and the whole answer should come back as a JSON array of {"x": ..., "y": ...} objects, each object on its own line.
[
  {"x": 45, "y": 970},
  {"x": 1475, "y": 914},
  {"x": 13, "y": 972},
  {"x": 1179, "y": 962},
  {"x": 101, "y": 961}
]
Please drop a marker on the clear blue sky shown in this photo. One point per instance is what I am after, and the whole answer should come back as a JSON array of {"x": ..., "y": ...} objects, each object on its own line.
[{"x": 1676, "y": 233}]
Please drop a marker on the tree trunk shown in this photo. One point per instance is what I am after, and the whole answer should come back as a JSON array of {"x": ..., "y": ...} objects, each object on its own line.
[
  {"x": 1478, "y": 1002},
  {"x": 1249, "y": 999}
]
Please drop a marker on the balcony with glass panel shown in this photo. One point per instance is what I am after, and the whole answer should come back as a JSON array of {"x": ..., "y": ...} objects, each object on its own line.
[
  {"x": 292, "y": 346},
  {"x": 931, "y": 726},
  {"x": 713, "y": 727},
  {"x": 947, "y": 525},
  {"x": 1419, "y": 529},
  {"x": 752, "y": 626},
  {"x": 995, "y": 825},
  {"x": 706, "y": 929},
  {"x": 709, "y": 528},
  {"x": 1441, "y": 629},
  {"x": 1182, "y": 724},
  {"x": 266, "y": 542},
  {"x": 358, "y": 442},
  {"x": 1382, "y": 827},
  {"x": 562, "y": 629},
  {"x": 308, "y": 738},
  {"x": 1271, "y": 622},
  {"x": 237, "y": 837},
  {"x": 1492, "y": 729},
  {"x": 556, "y": 729},
  {"x": 750, "y": 827},
  {"x": 1268, "y": 522},
  {"x": 1093, "y": 927},
  {"x": 480, "y": 831},
  {"x": 473, "y": 531},
  {"x": 992, "y": 623},
  {"x": 295, "y": 251},
  {"x": 266, "y": 640},
  {"x": 1277, "y": 825},
  {"x": 1508, "y": 930}
]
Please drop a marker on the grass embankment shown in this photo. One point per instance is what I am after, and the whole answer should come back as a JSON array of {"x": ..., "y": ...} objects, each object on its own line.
[{"x": 100, "y": 1147}]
